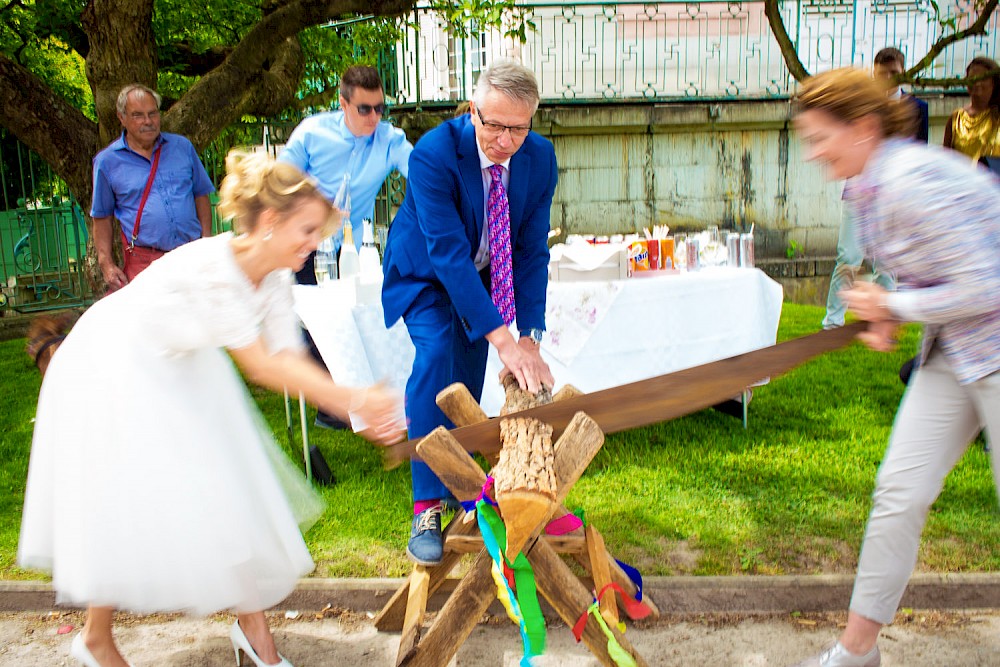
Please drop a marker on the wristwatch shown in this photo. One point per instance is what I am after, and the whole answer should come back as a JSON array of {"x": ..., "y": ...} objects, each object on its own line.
[{"x": 534, "y": 334}]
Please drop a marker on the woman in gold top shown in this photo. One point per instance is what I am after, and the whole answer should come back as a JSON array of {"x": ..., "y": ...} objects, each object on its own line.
[{"x": 975, "y": 128}]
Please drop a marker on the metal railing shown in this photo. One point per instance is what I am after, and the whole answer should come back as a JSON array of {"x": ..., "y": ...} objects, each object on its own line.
[
  {"x": 673, "y": 50},
  {"x": 43, "y": 235}
]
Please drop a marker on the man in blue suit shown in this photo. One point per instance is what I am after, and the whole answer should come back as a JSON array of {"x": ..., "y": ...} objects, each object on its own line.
[{"x": 465, "y": 258}]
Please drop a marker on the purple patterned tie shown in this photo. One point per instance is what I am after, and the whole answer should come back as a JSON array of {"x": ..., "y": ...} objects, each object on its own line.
[{"x": 501, "y": 271}]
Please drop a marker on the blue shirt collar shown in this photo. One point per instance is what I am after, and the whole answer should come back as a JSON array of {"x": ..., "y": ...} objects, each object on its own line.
[
  {"x": 346, "y": 133},
  {"x": 123, "y": 145}
]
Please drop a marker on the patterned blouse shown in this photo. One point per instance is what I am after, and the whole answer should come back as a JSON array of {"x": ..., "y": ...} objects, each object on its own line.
[{"x": 932, "y": 220}]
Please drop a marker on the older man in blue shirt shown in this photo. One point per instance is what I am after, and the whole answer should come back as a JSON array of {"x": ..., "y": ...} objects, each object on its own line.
[
  {"x": 153, "y": 183},
  {"x": 353, "y": 140}
]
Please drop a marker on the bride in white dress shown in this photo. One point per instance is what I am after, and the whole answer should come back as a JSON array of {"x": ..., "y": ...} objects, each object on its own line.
[{"x": 154, "y": 484}]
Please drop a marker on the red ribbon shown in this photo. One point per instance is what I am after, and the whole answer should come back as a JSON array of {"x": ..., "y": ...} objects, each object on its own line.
[{"x": 634, "y": 608}]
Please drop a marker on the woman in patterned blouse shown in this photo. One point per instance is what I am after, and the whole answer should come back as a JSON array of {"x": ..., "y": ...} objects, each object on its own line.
[{"x": 930, "y": 218}]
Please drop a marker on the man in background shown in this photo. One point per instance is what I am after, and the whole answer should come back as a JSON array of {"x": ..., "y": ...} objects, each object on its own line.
[
  {"x": 153, "y": 183},
  {"x": 352, "y": 142}
]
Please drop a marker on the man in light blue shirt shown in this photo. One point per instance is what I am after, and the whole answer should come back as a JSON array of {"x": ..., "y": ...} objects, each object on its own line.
[
  {"x": 353, "y": 140},
  {"x": 176, "y": 208}
]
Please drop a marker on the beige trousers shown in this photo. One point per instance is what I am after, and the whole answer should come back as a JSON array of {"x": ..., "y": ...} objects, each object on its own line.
[{"x": 936, "y": 421}]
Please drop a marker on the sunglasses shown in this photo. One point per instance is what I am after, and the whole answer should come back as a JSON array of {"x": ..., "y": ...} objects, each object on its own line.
[{"x": 365, "y": 109}]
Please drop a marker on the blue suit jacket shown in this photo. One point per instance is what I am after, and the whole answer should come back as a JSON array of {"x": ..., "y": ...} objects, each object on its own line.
[
  {"x": 922, "y": 121},
  {"x": 434, "y": 237}
]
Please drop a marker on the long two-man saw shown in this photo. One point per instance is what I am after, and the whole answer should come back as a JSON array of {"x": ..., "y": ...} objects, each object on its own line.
[{"x": 657, "y": 399}]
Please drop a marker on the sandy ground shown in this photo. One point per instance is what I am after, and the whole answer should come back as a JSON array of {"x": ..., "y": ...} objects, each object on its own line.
[{"x": 345, "y": 639}]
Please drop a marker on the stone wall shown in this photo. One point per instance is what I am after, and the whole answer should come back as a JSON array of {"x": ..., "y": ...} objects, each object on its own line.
[{"x": 804, "y": 280}]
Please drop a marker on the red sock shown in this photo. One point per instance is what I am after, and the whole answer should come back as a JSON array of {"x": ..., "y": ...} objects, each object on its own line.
[{"x": 421, "y": 505}]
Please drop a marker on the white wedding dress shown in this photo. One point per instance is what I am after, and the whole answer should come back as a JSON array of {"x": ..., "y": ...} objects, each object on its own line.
[{"x": 154, "y": 483}]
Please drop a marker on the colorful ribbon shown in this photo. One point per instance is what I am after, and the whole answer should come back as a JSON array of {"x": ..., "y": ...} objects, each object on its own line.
[
  {"x": 523, "y": 605},
  {"x": 634, "y": 608},
  {"x": 636, "y": 577},
  {"x": 484, "y": 494},
  {"x": 567, "y": 523}
]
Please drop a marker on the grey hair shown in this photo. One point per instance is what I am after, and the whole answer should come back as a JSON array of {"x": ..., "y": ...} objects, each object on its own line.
[
  {"x": 511, "y": 78},
  {"x": 135, "y": 88}
]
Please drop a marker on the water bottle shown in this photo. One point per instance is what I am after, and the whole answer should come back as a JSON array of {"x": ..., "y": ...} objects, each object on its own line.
[
  {"x": 350, "y": 264},
  {"x": 371, "y": 265},
  {"x": 342, "y": 202},
  {"x": 325, "y": 262},
  {"x": 343, "y": 199}
]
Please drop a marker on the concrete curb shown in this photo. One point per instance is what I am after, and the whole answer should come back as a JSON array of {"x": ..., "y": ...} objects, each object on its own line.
[{"x": 673, "y": 595}]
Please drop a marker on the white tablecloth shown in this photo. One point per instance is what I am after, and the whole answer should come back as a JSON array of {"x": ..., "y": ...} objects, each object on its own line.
[{"x": 600, "y": 334}]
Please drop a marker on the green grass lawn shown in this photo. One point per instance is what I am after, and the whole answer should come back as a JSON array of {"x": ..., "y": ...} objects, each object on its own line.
[{"x": 698, "y": 495}]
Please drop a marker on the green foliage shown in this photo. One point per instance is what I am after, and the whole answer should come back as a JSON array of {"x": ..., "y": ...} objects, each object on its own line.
[
  {"x": 470, "y": 16},
  {"x": 329, "y": 51},
  {"x": 46, "y": 36},
  {"x": 697, "y": 495},
  {"x": 955, "y": 16},
  {"x": 794, "y": 249},
  {"x": 39, "y": 36}
]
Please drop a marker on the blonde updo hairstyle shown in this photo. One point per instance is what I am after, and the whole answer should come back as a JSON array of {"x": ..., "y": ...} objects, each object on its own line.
[
  {"x": 256, "y": 181},
  {"x": 849, "y": 94}
]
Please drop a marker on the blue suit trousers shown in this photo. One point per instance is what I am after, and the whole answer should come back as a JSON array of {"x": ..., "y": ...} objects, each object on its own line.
[{"x": 444, "y": 355}]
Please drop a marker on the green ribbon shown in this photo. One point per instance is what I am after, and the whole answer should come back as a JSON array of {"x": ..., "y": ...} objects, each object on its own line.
[
  {"x": 621, "y": 657},
  {"x": 524, "y": 601}
]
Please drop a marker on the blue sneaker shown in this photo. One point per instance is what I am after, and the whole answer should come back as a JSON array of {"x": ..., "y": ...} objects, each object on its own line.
[{"x": 426, "y": 546}]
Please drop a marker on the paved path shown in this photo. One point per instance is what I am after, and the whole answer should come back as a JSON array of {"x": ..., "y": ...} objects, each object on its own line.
[{"x": 347, "y": 639}]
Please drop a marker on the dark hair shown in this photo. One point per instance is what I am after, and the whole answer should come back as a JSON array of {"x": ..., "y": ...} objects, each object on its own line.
[
  {"x": 992, "y": 67},
  {"x": 890, "y": 54},
  {"x": 848, "y": 94},
  {"x": 359, "y": 76}
]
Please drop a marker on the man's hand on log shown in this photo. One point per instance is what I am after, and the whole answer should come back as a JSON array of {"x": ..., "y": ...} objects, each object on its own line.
[{"x": 521, "y": 359}]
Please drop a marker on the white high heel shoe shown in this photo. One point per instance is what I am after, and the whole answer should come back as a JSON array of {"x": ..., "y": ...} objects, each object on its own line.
[
  {"x": 241, "y": 643},
  {"x": 79, "y": 652}
]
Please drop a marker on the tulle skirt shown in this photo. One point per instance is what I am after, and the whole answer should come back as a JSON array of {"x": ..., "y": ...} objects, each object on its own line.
[{"x": 155, "y": 485}]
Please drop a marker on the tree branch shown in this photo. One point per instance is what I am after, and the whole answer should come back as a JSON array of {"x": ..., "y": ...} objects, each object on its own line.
[
  {"x": 788, "y": 52},
  {"x": 261, "y": 74},
  {"x": 977, "y": 28},
  {"x": 48, "y": 125},
  {"x": 179, "y": 57},
  {"x": 320, "y": 99}
]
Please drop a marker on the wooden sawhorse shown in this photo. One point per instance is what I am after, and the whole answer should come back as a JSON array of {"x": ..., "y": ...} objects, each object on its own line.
[{"x": 566, "y": 594}]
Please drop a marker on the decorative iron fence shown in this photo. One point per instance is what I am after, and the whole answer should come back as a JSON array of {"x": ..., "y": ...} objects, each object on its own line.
[
  {"x": 43, "y": 236},
  {"x": 587, "y": 52}
]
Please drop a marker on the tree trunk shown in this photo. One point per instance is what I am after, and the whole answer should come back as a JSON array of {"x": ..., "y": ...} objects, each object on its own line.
[
  {"x": 43, "y": 121},
  {"x": 122, "y": 51}
]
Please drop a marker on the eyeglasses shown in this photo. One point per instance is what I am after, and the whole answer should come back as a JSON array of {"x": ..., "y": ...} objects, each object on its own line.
[
  {"x": 365, "y": 109},
  {"x": 516, "y": 131},
  {"x": 139, "y": 116}
]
